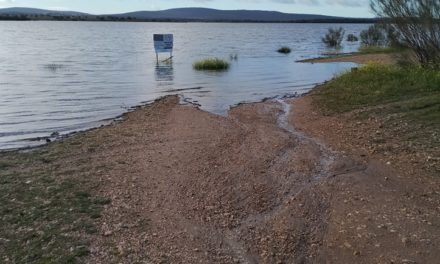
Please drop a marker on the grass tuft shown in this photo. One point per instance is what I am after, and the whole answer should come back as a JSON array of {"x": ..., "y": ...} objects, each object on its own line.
[
  {"x": 211, "y": 64},
  {"x": 284, "y": 50}
]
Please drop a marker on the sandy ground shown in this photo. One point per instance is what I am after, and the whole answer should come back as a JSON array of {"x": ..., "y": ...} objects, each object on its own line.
[
  {"x": 270, "y": 183},
  {"x": 385, "y": 58}
]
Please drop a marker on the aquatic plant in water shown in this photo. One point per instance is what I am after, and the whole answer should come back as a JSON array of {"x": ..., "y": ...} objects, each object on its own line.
[
  {"x": 284, "y": 50},
  {"x": 334, "y": 37},
  {"x": 352, "y": 38},
  {"x": 213, "y": 64}
]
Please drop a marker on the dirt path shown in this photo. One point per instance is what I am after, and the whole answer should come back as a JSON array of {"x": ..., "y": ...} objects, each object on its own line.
[{"x": 191, "y": 187}]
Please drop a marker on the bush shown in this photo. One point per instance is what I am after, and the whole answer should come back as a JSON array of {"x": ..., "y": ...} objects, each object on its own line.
[
  {"x": 334, "y": 37},
  {"x": 375, "y": 35},
  {"x": 352, "y": 38},
  {"x": 214, "y": 64},
  {"x": 284, "y": 50},
  {"x": 415, "y": 23}
]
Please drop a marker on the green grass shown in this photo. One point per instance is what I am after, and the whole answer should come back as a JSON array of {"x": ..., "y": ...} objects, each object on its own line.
[
  {"x": 379, "y": 49},
  {"x": 46, "y": 213},
  {"x": 284, "y": 50},
  {"x": 413, "y": 92},
  {"x": 211, "y": 64}
]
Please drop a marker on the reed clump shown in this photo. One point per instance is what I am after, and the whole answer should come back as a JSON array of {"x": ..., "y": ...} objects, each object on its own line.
[{"x": 211, "y": 64}]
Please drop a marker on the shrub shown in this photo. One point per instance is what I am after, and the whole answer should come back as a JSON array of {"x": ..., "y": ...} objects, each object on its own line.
[
  {"x": 214, "y": 64},
  {"x": 284, "y": 50},
  {"x": 375, "y": 35},
  {"x": 416, "y": 23},
  {"x": 334, "y": 37},
  {"x": 352, "y": 38}
]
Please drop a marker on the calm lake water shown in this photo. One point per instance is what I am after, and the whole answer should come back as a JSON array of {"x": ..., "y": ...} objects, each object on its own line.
[{"x": 70, "y": 76}]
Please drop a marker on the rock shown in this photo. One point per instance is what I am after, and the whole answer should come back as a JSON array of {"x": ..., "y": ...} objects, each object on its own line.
[
  {"x": 347, "y": 245},
  {"x": 108, "y": 233}
]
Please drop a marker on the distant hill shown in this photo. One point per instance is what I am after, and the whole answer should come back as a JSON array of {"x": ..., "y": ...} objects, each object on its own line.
[
  {"x": 175, "y": 15},
  {"x": 36, "y": 11},
  {"x": 206, "y": 14}
]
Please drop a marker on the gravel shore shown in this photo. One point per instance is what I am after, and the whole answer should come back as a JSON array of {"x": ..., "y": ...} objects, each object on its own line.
[{"x": 272, "y": 182}]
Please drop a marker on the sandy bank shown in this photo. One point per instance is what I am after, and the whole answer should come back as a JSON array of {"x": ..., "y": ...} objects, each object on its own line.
[{"x": 384, "y": 58}]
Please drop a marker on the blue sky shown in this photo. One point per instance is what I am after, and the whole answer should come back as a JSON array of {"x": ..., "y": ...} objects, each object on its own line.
[{"x": 349, "y": 8}]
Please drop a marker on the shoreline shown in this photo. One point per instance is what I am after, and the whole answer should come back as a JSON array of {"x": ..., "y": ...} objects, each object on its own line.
[
  {"x": 281, "y": 180},
  {"x": 359, "y": 58},
  {"x": 121, "y": 118},
  {"x": 189, "y": 186}
]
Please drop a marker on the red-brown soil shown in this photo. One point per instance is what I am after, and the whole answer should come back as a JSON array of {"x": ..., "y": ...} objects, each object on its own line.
[{"x": 270, "y": 183}]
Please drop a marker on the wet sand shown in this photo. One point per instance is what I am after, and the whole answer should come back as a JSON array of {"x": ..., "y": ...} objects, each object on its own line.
[{"x": 270, "y": 183}]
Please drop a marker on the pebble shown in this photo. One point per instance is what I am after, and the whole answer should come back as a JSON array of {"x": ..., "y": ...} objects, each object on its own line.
[
  {"x": 405, "y": 240},
  {"x": 108, "y": 233}
]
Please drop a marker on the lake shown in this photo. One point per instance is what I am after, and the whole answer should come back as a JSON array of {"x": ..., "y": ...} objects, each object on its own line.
[{"x": 60, "y": 77}]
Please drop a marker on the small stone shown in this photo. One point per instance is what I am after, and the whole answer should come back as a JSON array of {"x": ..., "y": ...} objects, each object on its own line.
[
  {"x": 405, "y": 240},
  {"x": 108, "y": 233},
  {"x": 347, "y": 245},
  {"x": 356, "y": 253}
]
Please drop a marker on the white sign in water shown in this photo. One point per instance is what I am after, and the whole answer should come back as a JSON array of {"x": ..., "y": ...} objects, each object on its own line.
[{"x": 163, "y": 42}]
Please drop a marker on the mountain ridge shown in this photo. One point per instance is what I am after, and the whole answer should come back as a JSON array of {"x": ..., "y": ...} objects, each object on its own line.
[{"x": 187, "y": 14}]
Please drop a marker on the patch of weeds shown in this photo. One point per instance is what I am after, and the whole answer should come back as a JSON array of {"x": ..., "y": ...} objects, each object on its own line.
[
  {"x": 46, "y": 215},
  {"x": 405, "y": 99},
  {"x": 4, "y": 165}
]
